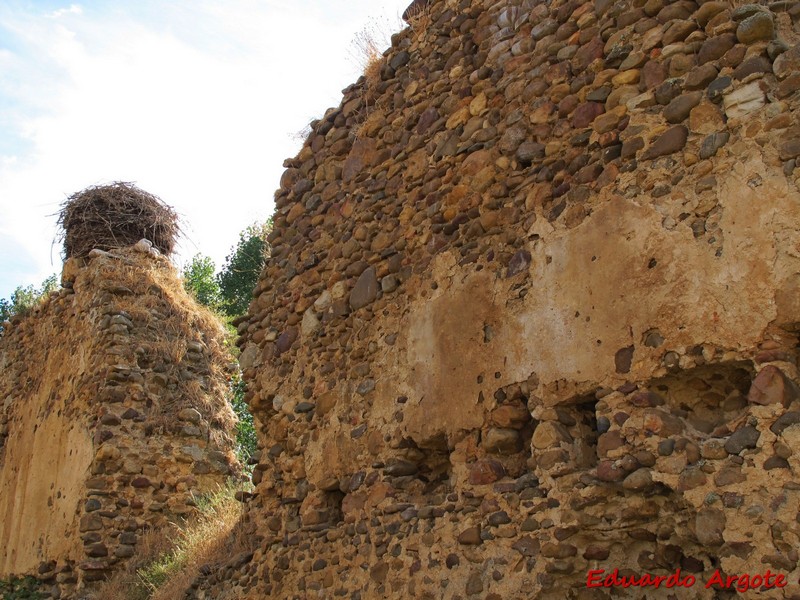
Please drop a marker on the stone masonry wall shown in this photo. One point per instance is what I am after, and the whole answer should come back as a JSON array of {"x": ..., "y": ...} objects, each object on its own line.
[
  {"x": 532, "y": 310},
  {"x": 112, "y": 418}
]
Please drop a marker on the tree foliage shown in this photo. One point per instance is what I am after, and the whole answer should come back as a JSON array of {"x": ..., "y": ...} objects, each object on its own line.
[
  {"x": 24, "y": 299},
  {"x": 246, "y": 442},
  {"x": 229, "y": 293},
  {"x": 200, "y": 281},
  {"x": 243, "y": 265}
]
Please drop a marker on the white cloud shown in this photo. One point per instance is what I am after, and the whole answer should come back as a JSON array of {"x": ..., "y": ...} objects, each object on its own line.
[
  {"x": 192, "y": 102},
  {"x": 74, "y": 9}
]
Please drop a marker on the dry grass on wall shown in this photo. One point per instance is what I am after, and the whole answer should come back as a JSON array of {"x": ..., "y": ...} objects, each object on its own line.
[
  {"x": 169, "y": 559},
  {"x": 158, "y": 298},
  {"x": 367, "y": 52},
  {"x": 419, "y": 18}
]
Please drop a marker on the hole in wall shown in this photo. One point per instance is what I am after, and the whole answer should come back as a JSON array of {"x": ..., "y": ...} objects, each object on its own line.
[
  {"x": 507, "y": 432},
  {"x": 432, "y": 457},
  {"x": 585, "y": 432},
  {"x": 707, "y": 396}
]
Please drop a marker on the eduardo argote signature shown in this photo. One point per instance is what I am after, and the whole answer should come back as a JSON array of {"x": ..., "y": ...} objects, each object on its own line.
[{"x": 599, "y": 578}]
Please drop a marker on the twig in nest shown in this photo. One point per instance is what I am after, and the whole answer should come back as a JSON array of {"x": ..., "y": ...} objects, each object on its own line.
[{"x": 113, "y": 216}]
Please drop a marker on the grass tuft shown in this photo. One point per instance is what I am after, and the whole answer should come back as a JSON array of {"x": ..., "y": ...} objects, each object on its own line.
[
  {"x": 168, "y": 560},
  {"x": 418, "y": 17}
]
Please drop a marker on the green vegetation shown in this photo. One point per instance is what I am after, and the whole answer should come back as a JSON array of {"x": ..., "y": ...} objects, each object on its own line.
[
  {"x": 228, "y": 293},
  {"x": 167, "y": 564},
  {"x": 24, "y": 299},
  {"x": 246, "y": 443},
  {"x": 242, "y": 268},
  {"x": 200, "y": 281},
  {"x": 20, "y": 588},
  {"x": 196, "y": 542}
]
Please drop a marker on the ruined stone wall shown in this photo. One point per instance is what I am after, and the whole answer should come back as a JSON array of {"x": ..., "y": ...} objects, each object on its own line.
[
  {"x": 112, "y": 418},
  {"x": 532, "y": 310}
]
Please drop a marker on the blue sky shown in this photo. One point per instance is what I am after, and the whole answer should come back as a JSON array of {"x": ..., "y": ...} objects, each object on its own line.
[{"x": 196, "y": 101}]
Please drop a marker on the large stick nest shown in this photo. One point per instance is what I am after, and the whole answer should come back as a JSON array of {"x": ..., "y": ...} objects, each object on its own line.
[{"x": 115, "y": 216}]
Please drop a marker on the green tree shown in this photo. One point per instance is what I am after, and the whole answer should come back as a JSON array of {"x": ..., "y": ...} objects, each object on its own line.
[
  {"x": 242, "y": 268},
  {"x": 24, "y": 299},
  {"x": 246, "y": 442},
  {"x": 236, "y": 280},
  {"x": 229, "y": 293},
  {"x": 201, "y": 282}
]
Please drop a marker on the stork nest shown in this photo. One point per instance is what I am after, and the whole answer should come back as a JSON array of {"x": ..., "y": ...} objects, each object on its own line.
[{"x": 115, "y": 216}]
